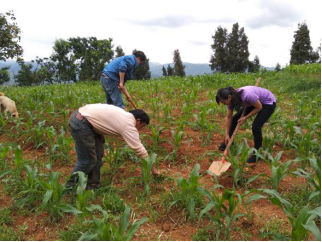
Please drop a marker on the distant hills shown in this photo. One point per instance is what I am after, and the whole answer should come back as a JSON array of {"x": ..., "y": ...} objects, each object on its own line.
[
  {"x": 155, "y": 68},
  {"x": 191, "y": 69}
]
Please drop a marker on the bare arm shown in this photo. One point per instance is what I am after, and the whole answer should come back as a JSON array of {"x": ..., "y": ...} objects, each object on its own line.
[{"x": 257, "y": 108}]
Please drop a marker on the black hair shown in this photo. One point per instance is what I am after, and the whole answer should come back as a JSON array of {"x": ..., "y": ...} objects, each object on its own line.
[
  {"x": 140, "y": 54},
  {"x": 236, "y": 101},
  {"x": 140, "y": 114}
]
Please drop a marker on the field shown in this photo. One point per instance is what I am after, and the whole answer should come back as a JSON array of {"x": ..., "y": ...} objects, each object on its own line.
[{"x": 279, "y": 198}]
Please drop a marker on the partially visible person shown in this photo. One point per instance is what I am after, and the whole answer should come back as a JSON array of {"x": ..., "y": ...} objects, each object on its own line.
[
  {"x": 90, "y": 123},
  {"x": 258, "y": 101},
  {"x": 115, "y": 75}
]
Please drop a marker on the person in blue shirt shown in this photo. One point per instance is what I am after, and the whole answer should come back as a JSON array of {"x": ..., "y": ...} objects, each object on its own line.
[{"x": 116, "y": 73}]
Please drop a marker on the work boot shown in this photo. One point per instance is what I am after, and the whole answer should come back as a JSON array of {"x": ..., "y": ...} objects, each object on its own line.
[
  {"x": 252, "y": 159},
  {"x": 93, "y": 186},
  {"x": 222, "y": 146}
]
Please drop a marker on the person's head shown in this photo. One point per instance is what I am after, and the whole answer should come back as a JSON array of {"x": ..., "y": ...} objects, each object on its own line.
[
  {"x": 141, "y": 117},
  {"x": 140, "y": 56},
  {"x": 229, "y": 96}
]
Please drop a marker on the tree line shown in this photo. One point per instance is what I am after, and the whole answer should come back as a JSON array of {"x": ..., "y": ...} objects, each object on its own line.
[{"x": 81, "y": 59}]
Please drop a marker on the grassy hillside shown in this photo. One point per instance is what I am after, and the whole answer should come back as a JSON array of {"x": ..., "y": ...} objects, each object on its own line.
[{"x": 272, "y": 200}]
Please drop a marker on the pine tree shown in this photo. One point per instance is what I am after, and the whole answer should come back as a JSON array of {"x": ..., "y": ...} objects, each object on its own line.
[
  {"x": 170, "y": 70},
  {"x": 236, "y": 51},
  {"x": 278, "y": 67},
  {"x": 164, "y": 71},
  {"x": 301, "y": 51},
  {"x": 218, "y": 59},
  {"x": 256, "y": 64},
  {"x": 119, "y": 52},
  {"x": 178, "y": 65}
]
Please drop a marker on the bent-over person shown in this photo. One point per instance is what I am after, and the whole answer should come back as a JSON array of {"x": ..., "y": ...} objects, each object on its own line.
[{"x": 90, "y": 123}]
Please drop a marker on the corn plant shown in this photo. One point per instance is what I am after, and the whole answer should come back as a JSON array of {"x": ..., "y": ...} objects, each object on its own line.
[
  {"x": 82, "y": 207},
  {"x": 114, "y": 159},
  {"x": 156, "y": 133},
  {"x": 177, "y": 136},
  {"x": 313, "y": 179},
  {"x": 248, "y": 203},
  {"x": 38, "y": 134},
  {"x": 279, "y": 170},
  {"x": 53, "y": 196},
  {"x": 4, "y": 150},
  {"x": 224, "y": 207},
  {"x": 63, "y": 146},
  {"x": 302, "y": 223},
  {"x": 30, "y": 190},
  {"x": 146, "y": 168},
  {"x": 104, "y": 230},
  {"x": 189, "y": 195},
  {"x": 238, "y": 160},
  {"x": 204, "y": 125}
]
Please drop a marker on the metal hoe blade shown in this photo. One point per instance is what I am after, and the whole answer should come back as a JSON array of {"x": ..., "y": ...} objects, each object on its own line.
[{"x": 218, "y": 167}]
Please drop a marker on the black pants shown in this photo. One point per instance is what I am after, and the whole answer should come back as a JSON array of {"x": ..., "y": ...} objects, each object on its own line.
[{"x": 260, "y": 120}]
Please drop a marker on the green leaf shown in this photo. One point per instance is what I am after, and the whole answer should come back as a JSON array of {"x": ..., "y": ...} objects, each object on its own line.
[
  {"x": 88, "y": 236},
  {"x": 314, "y": 229},
  {"x": 134, "y": 228}
]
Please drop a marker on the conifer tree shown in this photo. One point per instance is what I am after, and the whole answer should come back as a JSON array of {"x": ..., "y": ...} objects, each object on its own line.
[
  {"x": 256, "y": 64},
  {"x": 170, "y": 70},
  {"x": 302, "y": 51},
  {"x": 164, "y": 71},
  {"x": 278, "y": 67},
  {"x": 218, "y": 59},
  {"x": 178, "y": 65}
]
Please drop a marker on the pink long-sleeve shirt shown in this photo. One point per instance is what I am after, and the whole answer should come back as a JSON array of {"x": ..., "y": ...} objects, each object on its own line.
[{"x": 111, "y": 120}]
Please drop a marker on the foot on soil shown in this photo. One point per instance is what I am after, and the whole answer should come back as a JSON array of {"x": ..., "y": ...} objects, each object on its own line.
[{"x": 252, "y": 159}]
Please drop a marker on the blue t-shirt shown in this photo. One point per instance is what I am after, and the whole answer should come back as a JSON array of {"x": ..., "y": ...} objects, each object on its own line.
[{"x": 126, "y": 64}]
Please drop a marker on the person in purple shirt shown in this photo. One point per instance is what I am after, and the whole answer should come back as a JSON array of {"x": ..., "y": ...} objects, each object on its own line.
[
  {"x": 116, "y": 73},
  {"x": 257, "y": 101}
]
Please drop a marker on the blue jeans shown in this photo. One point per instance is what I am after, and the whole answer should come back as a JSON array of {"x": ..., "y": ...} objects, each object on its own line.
[
  {"x": 112, "y": 93},
  {"x": 89, "y": 150}
]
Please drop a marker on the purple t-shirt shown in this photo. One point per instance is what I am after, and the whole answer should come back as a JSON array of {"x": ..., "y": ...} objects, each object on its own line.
[{"x": 251, "y": 94}]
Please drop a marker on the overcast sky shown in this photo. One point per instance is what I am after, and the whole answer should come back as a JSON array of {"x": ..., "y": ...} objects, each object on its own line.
[{"x": 160, "y": 27}]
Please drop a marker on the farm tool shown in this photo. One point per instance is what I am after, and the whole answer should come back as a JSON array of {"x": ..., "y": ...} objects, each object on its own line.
[
  {"x": 218, "y": 167},
  {"x": 130, "y": 100}
]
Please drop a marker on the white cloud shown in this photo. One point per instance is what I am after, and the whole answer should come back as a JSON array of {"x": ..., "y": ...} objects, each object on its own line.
[{"x": 160, "y": 27}]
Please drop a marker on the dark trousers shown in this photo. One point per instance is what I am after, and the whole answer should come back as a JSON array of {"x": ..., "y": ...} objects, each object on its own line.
[
  {"x": 259, "y": 121},
  {"x": 89, "y": 150}
]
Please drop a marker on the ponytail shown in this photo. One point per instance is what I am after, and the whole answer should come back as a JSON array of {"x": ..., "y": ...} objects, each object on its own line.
[{"x": 236, "y": 101}]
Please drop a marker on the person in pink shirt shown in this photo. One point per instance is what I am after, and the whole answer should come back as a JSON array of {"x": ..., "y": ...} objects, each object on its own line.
[
  {"x": 90, "y": 123},
  {"x": 257, "y": 101}
]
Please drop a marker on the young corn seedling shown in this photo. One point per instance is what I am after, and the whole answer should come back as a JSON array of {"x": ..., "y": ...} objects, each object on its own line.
[
  {"x": 4, "y": 150},
  {"x": 279, "y": 170},
  {"x": 146, "y": 169},
  {"x": 177, "y": 136},
  {"x": 238, "y": 160},
  {"x": 114, "y": 160},
  {"x": 224, "y": 207},
  {"x": 189, "y": 196},
  {"x": 104, "y": 230},
  {"x": 30, "y": 191},
  {"x": 64, "y": 146},
  {"x": 53, "y": 196},
  {"x": 38, "y": 134},
  {"x": 156, "y": 133},
  {"x": 313, "y": 179},
  {"x": 248, "y": 203},
  {"x": 82, "y": 208},
  {"x": 302, "y": 223}
]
